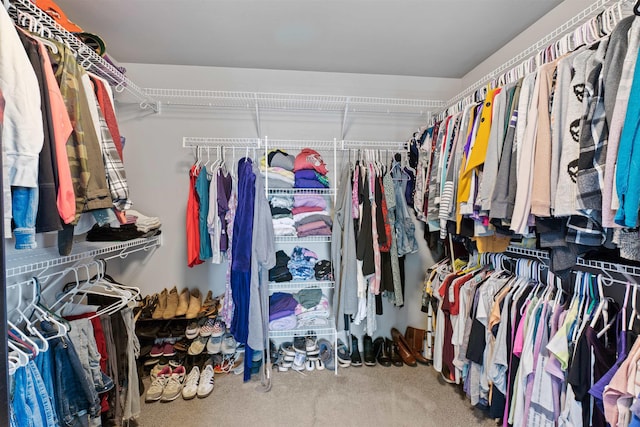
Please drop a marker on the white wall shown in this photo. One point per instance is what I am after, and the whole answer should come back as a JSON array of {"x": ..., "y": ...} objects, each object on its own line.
[
  {"x": 537, "y": 31},
  {"x": 157, "y": 165}
]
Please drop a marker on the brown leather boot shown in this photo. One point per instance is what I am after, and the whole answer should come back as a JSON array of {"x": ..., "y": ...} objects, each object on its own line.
[
  {"x": 195, "y": 303},
  {"x": 161, "y": 306},
  {"x": 415, "y": 339},
  {"x": 403, "y": 347}
]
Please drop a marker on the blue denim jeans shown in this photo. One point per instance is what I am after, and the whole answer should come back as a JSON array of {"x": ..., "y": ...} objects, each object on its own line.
[
  {"x": 76, "y": 396},
  {"x": 44, "y": 362},
  {"x": 24, "y": 204},
  {"x": 30, "y": 401}
]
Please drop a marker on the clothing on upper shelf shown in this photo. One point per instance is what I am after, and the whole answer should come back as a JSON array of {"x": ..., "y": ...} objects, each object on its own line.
[
  {"x": 476, "y": 167},
  {"x": 63, "y": 149}
]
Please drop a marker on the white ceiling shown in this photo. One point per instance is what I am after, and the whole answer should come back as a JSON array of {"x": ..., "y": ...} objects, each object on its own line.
[{"x": 399, "y": 37}]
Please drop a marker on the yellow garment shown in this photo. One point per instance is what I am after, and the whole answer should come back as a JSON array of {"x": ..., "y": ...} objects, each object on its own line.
[
  {"x": 463, "y": 164},
  {"x": 493, "y": 243}
]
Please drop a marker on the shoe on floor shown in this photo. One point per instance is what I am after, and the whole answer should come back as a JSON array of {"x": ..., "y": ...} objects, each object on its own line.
[
  {"x": 173, "y": 387},
  {"x": 155, "y": 391},
  {"x": 299, "y": 361},
  {"x": 381, "y": 352},
  {"x": 155, "y": 371},
  {"x": 299, "y": 345},
  {"x": 197, "y": 346},
  {"x": 190, "y": 389},
  {"x": 310, "y": 365},
  {"x": 311, "y": 346},
  {"x": 205, "y": 387},
  {"x": 326, "y": 355},
  {"x": 172, "y": 304},
  {"x": 369, "y": 356},
  {"x": 160, "y": 306},
  {"x": 344, "y": 360},
  {"x": 183, "y": 302},
  {"x": 356, "y": 360},
  {"x": 195, "y": 303},
  {"x": 288, "y": 351}
]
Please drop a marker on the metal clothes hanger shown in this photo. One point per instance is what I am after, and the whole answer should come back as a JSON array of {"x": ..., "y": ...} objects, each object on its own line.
[{"x": 636, "y": 8}]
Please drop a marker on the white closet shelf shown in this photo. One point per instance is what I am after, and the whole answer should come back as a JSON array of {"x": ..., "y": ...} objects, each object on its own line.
[
  {"x": 293, "y": 191},
  {"x": 195, "y": 142},
  {"x": 296, "y": 286},
  {"x": 38, "y": 260},
  {"x": 533, "y": 253},
  {"x": 375, "y": 145},
  {"x": 288, "y": 101},
  {"x": 327, "y": 330},
  {"x": 299, "y": 144},
  {"x": 310, "y": 239},
  {"x": 610, "y": 267},
  {"x": 85, "y": 56}
]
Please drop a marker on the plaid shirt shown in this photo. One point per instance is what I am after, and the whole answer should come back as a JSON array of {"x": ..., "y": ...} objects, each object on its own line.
[
  {"x": 113, "y": 167},
  {"x": 587, "y": 229}
]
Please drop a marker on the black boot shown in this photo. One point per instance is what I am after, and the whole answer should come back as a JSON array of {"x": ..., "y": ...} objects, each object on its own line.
[
  {"x": 356, "y": 360},
  {"x": 381, "y": 352},
  {"x": 369, "y": 355},
  {"x": 396, "y": 360}
]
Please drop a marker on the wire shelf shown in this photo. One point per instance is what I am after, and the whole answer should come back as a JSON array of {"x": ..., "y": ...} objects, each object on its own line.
[
  {"x": 378, "y": 145},
  {"x": 299, "y": 144},
  {"x": 568, "y": 26},
  {"x": 609, "y": 267},
  {"x": 294, "y": 191},
  {"x": 309, "y": 239},
  {"x": 296, "y": 286},
  {"x": 293, "y": 102},
  {"x": 532, "y": 253},
  {"x": 85, "y": 56},
  {"x": 328, "y": 330},
  {"x": 41, "y": 259},
  {"x": 195, "y": 142}
]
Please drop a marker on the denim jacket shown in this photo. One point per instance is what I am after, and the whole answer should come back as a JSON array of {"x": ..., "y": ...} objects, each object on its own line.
[{"x": 405, "y": 229}]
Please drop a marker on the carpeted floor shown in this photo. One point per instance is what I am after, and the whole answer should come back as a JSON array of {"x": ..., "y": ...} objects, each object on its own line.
[{"x": 365, "y": 396}]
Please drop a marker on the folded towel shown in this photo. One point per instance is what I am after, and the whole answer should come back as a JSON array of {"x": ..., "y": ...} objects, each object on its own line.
[
  {"x": 313, "y": 200},
  {"x": 284, "y": 323}
]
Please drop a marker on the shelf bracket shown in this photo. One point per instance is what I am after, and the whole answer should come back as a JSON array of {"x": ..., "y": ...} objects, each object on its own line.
[
  {"x": 258, "y": 127},
  {"x": 343, "y": 130}
]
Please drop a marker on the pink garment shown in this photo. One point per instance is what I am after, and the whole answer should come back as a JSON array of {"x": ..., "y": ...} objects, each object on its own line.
[
  {"x": 355, "y": 211},
  {"x": 309, "y": 200},
  {"x": 305, "y": 209},
  {"x": 518, "y": 342},
  {"x": 315, "y": 225},
  {"x": 62, "y": 128},
  {"x": 618, "y": 388},
  {"x": 310, "y": 159},
  {"x": 374, "y": 281},
  {"x": 322, "y": 231}
]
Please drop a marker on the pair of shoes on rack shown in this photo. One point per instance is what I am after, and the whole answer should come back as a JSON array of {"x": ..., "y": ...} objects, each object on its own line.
[
  {"x": 189, "y": 303},
  {"x": 162, "y": 348},
  {"x": 199, "y": 383},
  {"x": 167, "y": 304},
  {"x": 167, "y": 385}
]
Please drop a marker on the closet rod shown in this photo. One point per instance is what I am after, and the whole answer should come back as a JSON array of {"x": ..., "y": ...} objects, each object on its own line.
[
  {"x": 555, "y": 35},
  {"x": 86, "y": 56},
  {"x": 630, "y": 273},
  {"x": 195, "y": 142}
]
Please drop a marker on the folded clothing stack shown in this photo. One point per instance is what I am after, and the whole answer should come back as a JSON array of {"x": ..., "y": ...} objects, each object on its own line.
[
  {"x": 283, "y": 222},
  {"x": 124, "y": 232},
  {"x": 281, "y": 273},
  {"x": 307, "y": 307},
  {"x": 323, "y": 270},
  {"x": 318, "y": 315},
  {"x": 302, "y": 263},
  {"x": 282, "y": 309},
  {"x": 144, "y": 223},
  {"x": 278, "y": 169},
  {"x": 310, "y": 170},
  {"x": 311, "y": 216}
]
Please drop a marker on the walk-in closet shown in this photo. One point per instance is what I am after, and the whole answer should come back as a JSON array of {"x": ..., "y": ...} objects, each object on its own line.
[{"x": 391, "y": 213}]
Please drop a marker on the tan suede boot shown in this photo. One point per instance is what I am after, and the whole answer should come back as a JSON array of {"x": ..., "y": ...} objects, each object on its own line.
[
  {"x": 195, "y": 303},
  {"x": 183, "y": 302},
  {"x": 209, "y": 306},
  {"x": 172, "y": 304},
  {"x": 161, "y": 306}
]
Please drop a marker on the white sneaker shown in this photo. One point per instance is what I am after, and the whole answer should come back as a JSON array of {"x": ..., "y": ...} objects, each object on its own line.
[
  {"x": 299, "y": 362},
  {"x": 155, "y": 391},
  {"x": 310, "y": 365},
  {"x": 206, "y": 382},
  {"x": 173, "y": 388},
  {"x": 190, "y": 388}
]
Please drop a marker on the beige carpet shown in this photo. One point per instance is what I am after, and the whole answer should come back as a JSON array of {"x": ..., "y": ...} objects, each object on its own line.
[{"x": 366, "y": 396}]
